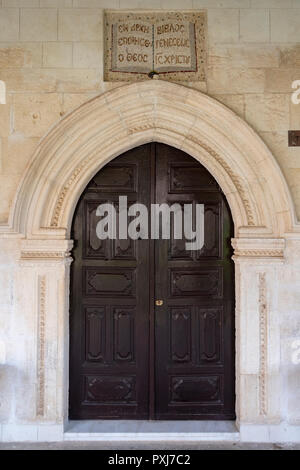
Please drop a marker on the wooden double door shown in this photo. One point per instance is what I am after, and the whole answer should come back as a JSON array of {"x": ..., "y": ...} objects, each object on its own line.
[{"x": 131, "y": 358}]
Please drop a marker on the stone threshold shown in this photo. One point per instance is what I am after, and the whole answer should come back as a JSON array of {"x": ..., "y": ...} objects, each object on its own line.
[{"x": 139, "y": 430}]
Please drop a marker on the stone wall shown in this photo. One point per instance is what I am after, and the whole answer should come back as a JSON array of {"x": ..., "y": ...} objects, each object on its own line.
[{"x": 51, "y": 60}]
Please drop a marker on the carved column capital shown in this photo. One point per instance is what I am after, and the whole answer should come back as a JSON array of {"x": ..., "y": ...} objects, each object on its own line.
[
  {"x": 258, "y": 248},
  {"x": 46, "y": 250}
]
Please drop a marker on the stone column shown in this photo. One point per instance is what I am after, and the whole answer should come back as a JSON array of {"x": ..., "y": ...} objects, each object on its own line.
[
  {"x": 258, "y": 263},
  {"x": 41, "y": 335}
]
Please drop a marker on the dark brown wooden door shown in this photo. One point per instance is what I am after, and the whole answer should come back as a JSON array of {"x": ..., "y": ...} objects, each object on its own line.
[
  {"x": 131, "y": 359},
  {"x": 109, "y": 353},
  {"x": 194, "y": 327}
]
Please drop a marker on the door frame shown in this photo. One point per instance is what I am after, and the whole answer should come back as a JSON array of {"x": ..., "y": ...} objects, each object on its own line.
[{"x": 264, "y": 217}]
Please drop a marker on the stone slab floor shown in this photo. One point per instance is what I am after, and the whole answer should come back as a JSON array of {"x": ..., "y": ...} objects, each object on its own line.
[{"x": 146, "y": 446}]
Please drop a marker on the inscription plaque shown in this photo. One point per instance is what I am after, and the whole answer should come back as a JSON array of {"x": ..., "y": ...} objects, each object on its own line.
[{"x": 171, "y": 44}]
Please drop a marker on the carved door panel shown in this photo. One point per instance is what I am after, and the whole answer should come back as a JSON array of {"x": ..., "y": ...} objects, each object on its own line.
[
  {"x": 109, "y": 351},
  {"x": 194, "y": 331},
  {"x": 131, "y": 359}
]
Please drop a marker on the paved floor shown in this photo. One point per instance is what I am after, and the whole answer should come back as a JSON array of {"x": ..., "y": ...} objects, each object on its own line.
[
  {"x": 143, "y": 426},
  {"x": 146, "y": 446}
]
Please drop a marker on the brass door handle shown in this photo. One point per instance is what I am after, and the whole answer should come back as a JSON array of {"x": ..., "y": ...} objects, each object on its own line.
[{"x": 159, "y": 303}]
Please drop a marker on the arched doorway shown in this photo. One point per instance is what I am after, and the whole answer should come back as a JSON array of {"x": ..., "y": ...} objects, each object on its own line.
[
  {"x": 266, "y": 240},
  {"x": 152, "y": 323}
]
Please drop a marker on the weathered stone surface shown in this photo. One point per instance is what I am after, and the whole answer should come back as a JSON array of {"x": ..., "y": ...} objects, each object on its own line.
[
  {"x": 290, "y": 56},
  {"x": 9, "y": 24},
  {"x": 38, "y": 24},
  {"x": 20, "y": 3},
  {"x": 254, "y": 25},
  {"x": 267, "y": 112},
  {"x": 243, "y": 55},
  {"x": 34, "y": 114},
  {"x": 80, "y": 24},
  {"x": 293, "y": 177},
  {"x": 56, "y": 3},
  {"x": 280, "y": 80},
  {"x": 287, "y": 157},
  {"x": 235, "y": 80},
  {"x": 50, "y": 80},
  {"x": 20, "y": 54},
  {"x": 8, "y": 189},
  {"x": 112, "y": 4},
  {"x": 58, "y": 54},
  {"x": 272, "y": 3},
  {"x": 87, "y": 54},
  {"x": 223, "y": 26},
  {"x": 107, "y": 86},
  {"x": 71, "y": 101},
  {"x": 221, "y": 3},
  {"x": 176, "y": 4},
  {"x": 235, "y": 102},
  {"x": 99, "y": 4},
  {"x": 5, "y": 124},
  {"x": 18, "y": 151},
  {"x": 294, "y": 116},
  {"x": 285, "y": 25}
]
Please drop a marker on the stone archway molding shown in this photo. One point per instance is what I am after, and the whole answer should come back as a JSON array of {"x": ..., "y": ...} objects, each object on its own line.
[{"x": 131, "y": 115}]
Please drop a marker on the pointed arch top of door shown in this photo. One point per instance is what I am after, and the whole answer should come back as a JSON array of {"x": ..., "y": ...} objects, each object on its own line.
[{"x": 131, "y": 115}]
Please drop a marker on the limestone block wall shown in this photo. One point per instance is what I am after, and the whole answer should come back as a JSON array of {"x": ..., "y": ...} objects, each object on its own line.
[{"x": 51, "y": 59}]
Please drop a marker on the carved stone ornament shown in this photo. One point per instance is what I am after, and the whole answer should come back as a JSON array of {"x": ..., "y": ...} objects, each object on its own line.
[
  {"x": 263, "y": 346},
  {"x": 147, "y": 44},
  {"x": 41, "y": 346},
  {"x": 258, "y": 248},
  {"x": 45, "y": 250}
]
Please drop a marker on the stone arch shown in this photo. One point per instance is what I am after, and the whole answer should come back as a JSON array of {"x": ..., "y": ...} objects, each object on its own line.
[{"x": 135, "y": 114}]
